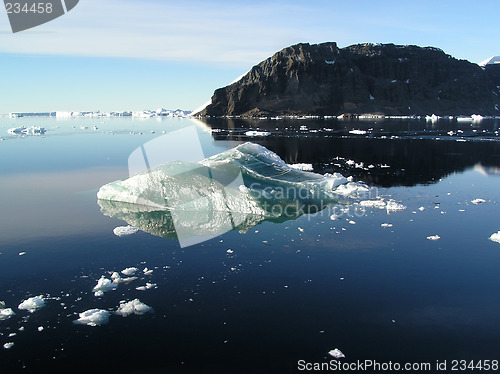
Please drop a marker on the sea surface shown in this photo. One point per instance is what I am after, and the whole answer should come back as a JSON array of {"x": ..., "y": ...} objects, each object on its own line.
[{"x": 272, "y": 297}]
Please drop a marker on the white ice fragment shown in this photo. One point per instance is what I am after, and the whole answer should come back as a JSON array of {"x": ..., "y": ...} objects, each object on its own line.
[
  {"x": 337, "y": 353},
  {"x": 478, "y": 201},
  {"x": 352, "y": 222},
  {"x": 230, "y": 251},
  {"x": 357, "y": 132},
  {"x": 393, "y": 206},
  {"x": 495, "y": 237},
  {"x": 257, "y": 133},
  {"x": 133, "y": 307},
  {"x": 434, "y": 237},
  {"x": 147, "y": 271},
  {"x": 302, "y": 166},
  {"x": 93, "y": 317},
  {"x": 22, "y": 130},
  {"x": 129, "y": 271},
  {"x": 124, "y": 280},
  {"x": 380, "y": 204},
  {"x": 104, "y": 285},
  {"x": 8, "y": 345},
  {"x": 125, "y": 230},
  {"x": 147, "y": 287},
  {"x": 386, "y": 225},
  {"x": 421, "y": 208},
  {"x": 32, "y": 304},
  {"x": 5, "y": 314},
  {"x": 22, "y": 253},
  {"x": 40, "y": 328},
  {"x": 300, "y": 229}
]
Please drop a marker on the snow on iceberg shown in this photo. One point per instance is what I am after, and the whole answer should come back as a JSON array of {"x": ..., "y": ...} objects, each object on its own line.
[
  {"x": 133, "y": 307},
  {"x": 93, "y": 317},
  {"x": 125, "y": 230},
  {"x": 32, "y": 304},
  {"x": 104, "y": 285},
  {"x": 495, "y": 237},
  {"x": 302, "y": 166}
]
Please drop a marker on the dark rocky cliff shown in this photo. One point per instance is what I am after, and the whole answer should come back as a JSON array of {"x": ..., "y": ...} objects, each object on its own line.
[{"x": 388, "y": 79}]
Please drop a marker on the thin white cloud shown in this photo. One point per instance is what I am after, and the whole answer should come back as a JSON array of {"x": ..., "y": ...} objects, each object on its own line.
[{"x": 196, "y": 31}]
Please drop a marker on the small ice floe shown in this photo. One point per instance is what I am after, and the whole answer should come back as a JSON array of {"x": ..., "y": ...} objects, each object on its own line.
[
  {"x": 351, "y": 189},
  {"x": 32, "y": 304},
  {"x": 336, "y": 353},
  {"x": 357, "y": 132},
  {"x": 434, "y": 237},
  {"x": 495, "y": 237},
  {"x": 5, "y": 313},
  {"x": 421, "y": 208},
  {"x": 257, "y": 133},
  {"x": 302, "y": 166},
  {"x": 22, "y": 130},
  {"x": 129, "y": 271},
  {"x": 104, "y": 285},
  {"x": 125, "y": 230},
  {"x": 147, "y": 271},
  {"x": 8, "y": 345},
  {"x": 230, "y": 251},
  {"x": 40, "y": 328},
  {"x": 148, "y": 286},
  {"x": 300, "y": 229},
  {"x": 93, "y": 317},
  {"x": 478, "y": 201},
  {"x": 116, "y": 278},
  {"x": 386, "y": 225},
  {"x": 393, "y": 206},
  {"x": 132, "y": 307},
  {"x": 380, "y": 204},
  {"x": 22, "y": 253},
  {"x": 352, "y": 222}
]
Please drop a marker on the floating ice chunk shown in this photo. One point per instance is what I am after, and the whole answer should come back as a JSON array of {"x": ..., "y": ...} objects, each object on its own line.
[
  {"x": 230, "y": 251},
  {"x": 125, "y": 230},
  {"x": 393, "y": 206},
  {"x": 421, "y": 208},
  {"x": 300, "y": 229},
  {"x": 129, "y": 271},
  {"x": 351, "y": 189},
  {"x": 386, "y": 225},
  {"x": 22, "y": 253},
  {"x": 104, "y": 285},
  {"x": 8, "y": 345},
  {"x": 478, "y": 201},
  {"x": 147, "y": 271},
  {"x": 337, "y": 353},
  {"x": 357, "y": 132},
  {"x": 40, "y": 328},
  {"x": 127, "y": 280},
  {"x": 133, "y": 307},
  {"x": 22, "y": 130},
  {"x": 32, "y": 304},
  {"x": 434, "y": 237},
  {"x": 148, "y": 286},
  {"x": 302, "y": 166},
  {"x": 352, "y": 222},
  {"x": 6, "y": 313},
  {"x": 380, "y": 204},
  {"x": 257, "y": 133},
  {"x": 93, "y": 317},
  {"x": 495, "y": 237}
]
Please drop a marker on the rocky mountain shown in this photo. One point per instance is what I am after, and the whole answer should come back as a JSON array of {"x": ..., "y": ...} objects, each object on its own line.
[{"x": 322, "y": 79}]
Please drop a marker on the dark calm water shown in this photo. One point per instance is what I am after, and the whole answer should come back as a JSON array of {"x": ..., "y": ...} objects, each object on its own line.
[{"x": 285, "y": 291}]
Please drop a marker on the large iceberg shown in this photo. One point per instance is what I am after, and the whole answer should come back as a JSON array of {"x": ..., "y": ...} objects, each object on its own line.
[{"x": 235, "y": 189}]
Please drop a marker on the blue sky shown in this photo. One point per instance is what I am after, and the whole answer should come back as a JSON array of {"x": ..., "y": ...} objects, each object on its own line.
[{"x": 125, "y": 54}]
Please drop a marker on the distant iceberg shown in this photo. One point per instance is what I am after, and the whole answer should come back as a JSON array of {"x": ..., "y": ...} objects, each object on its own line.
[
  {"x": 22, "y": 130},
  {"x": 235, "y": 189}
]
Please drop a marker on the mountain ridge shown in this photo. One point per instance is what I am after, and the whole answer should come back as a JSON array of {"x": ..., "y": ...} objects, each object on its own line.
[{"x": 380, "y": 79}]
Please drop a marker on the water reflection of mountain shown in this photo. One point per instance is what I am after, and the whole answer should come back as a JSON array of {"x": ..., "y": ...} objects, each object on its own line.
[{"x": 414, "y": 156}]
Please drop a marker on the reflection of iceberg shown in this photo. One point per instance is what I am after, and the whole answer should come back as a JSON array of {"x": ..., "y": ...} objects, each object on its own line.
[{"x": 235, "y": 189}]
